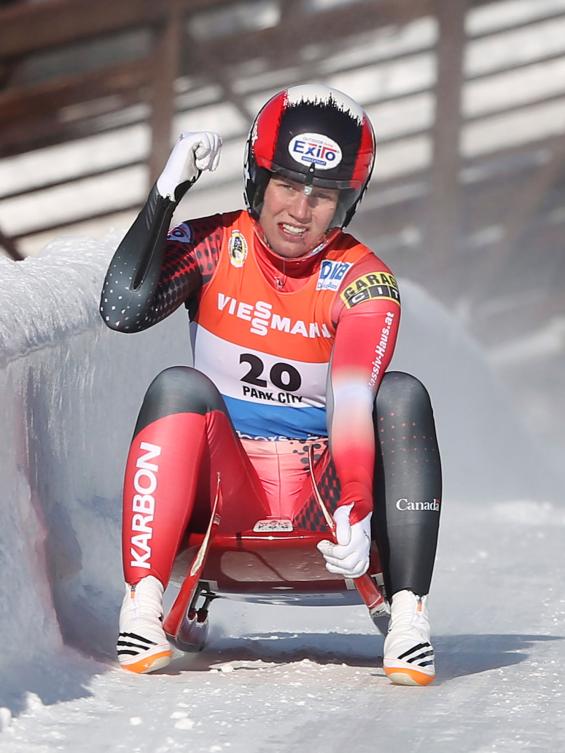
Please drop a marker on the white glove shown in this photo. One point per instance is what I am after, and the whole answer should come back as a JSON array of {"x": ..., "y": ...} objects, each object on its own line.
[
  {"x": 350, "y": 556},
  {"x": 192, "y": 153}
]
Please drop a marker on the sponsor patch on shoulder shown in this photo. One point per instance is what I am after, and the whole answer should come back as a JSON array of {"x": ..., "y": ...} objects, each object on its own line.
[
  {"x": 331, "y": 274},
  {"x": 370, "y": 286},
  {"x": 182, "y": 233},
  {"x": 237, "y": 248}
]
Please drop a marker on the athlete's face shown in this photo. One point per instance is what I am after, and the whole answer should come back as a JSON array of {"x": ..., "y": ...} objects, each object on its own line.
[{"x": 294, "y": 218}]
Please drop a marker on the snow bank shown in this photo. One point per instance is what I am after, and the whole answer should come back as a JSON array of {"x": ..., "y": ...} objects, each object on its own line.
[
  {"x": 70, "y": 390},
  {"x": 69, "y": 394}
]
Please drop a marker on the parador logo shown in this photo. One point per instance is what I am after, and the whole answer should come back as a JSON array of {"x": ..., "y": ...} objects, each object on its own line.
[
  {"x": 370, "y": 286},
  {"x": 237, "y": 248}
]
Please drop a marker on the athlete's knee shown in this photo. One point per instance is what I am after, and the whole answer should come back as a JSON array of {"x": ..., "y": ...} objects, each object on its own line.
[
  {"x": 402, "y": 394},
  {"x": 180, "y": 389}
]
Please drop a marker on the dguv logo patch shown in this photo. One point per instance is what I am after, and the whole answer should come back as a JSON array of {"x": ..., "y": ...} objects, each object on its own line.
[{"x": 331, "y": 274}]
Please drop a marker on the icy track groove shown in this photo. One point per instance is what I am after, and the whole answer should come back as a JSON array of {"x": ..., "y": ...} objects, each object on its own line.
[{"x": 275, "y": 679}]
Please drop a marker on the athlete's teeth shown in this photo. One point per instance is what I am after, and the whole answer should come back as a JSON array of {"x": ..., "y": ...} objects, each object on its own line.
[{"x": 292, "y": 229}]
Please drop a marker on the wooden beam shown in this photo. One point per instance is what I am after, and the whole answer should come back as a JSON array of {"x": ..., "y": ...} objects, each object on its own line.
[
  {"x": 443, "y": 217},
  {"x": 83, "y": 19},
  {"x": 200, "y": 56},
  {"x": 166, "y": 57},
  {"x": 57, "y": 23},
  {"x": 9, "y": 245},
  {"x": 515, "y": 66},
  {"x": 330, "y": 28},
  {"x": 46, "y": 131},
  {"x": 80, "y": 19},
  {"x": 35, "y": 101},
  {"x": 67, "y": 180},
  {"x": 511, "y": 26}
]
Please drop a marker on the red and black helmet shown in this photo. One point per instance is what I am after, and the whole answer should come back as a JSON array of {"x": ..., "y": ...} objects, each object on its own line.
[{"x": 314, "y": 135}]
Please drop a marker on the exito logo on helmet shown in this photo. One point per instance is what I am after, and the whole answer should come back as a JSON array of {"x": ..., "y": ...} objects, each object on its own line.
[
  {"x": 315, "y": 135},
  {"x": 313, "y": 148}
]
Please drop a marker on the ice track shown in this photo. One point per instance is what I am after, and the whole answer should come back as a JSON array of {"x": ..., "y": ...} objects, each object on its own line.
[{"x": 295, "y": 679}]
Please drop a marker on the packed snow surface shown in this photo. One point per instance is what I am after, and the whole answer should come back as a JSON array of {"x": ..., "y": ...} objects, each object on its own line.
[{"x": 273, "y": 678}]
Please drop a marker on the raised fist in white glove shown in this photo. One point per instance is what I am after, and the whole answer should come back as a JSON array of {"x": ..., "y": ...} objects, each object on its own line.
[
  {"x": 350, "y": 556},
  {"x": 193, "y": 153}
]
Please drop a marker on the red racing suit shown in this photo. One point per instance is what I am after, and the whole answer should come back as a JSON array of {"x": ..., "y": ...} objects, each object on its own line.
[{"x": 297, "y": 349}]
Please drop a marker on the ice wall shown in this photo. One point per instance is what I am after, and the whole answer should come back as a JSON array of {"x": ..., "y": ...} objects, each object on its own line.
[{"x": 70, "y": 390}]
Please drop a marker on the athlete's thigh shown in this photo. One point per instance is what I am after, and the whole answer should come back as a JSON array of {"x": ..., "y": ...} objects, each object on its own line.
[{"x": 225, "y": 463}]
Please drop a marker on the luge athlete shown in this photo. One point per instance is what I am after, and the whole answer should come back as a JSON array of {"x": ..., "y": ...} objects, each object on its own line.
[{"x": 293, "y": 325}]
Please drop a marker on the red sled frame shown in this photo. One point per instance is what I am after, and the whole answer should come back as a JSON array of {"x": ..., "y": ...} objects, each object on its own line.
[{"x": 273, "y": 563}]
